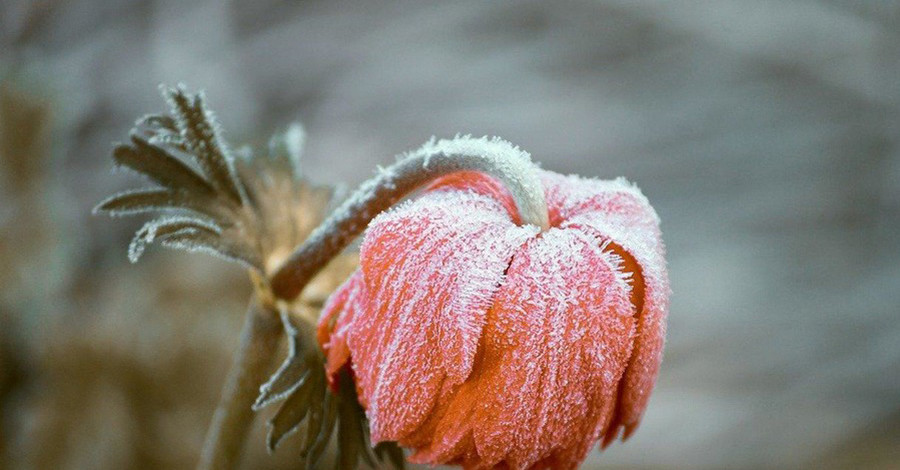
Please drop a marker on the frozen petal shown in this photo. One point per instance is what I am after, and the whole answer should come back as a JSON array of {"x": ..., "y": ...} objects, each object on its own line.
[
  {"x": 617, "y": 200},
  {"x": 565, "y": 323},
  {"x": 335, "y": 321},
  {"x": 431, "y": 268},
  {"x": 559, "y": 336},
  {"x": 479, "y": 183},
  {"x": 617, "y": 212}
]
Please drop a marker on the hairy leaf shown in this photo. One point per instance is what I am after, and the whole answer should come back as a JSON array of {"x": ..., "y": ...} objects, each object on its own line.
[
  {"x": 392, "y": 452},
  {"x": 292, "y": 413},
  {"x": 314, "y": 453},
  {"x": 137, "y": 202},
  {"x": 160, "y": 166},
  {"x": 302, "y": 384},
  {"x": 165, "y": 226},
  {"x": 161, "y": 131},
  {"x": 141, "y": 201},
  {"x": 286, "y": 149},
  {"x": 201, "y": 240},
  {"x": 201, "y": 133},
  {"x": 157, "y": 121},
  {"x": 316, "y": 420},
  {"x": 352, "y": 442},
  {"x": 293, "y": 372}
]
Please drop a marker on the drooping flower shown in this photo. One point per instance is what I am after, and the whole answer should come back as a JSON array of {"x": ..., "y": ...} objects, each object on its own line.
[{"x": 478, "y": 341}]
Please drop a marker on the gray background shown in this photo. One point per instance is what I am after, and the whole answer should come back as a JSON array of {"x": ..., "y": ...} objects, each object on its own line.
[{"x": 766, "y": 134}]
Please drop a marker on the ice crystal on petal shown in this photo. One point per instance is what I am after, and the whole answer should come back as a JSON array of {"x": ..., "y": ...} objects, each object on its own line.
[
  {"x": 477, "y": 341},
  {"x": 559, "y": 335},
  {"x": 617, "y": 211},
  {"x": 455, "y": 287}
]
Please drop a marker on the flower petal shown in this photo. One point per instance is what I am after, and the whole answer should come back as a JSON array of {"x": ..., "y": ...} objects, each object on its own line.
[
  {"x": 618, "y": 212},
  {"x": 335, "y": 321},
  {"x": 479, "y": 183},
  {"x": 559, "y": 335},
  {"x": 431, "y": 268}
]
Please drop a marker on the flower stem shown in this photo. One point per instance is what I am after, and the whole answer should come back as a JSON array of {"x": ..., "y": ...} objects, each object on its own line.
[
  {"x": 495, "y": 157},
  {"x": 262, "y": 328},
  {"x": 252, "y": 361}
]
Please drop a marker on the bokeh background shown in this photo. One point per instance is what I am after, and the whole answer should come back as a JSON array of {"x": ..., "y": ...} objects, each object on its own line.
[{"x": 767, "y": 135}]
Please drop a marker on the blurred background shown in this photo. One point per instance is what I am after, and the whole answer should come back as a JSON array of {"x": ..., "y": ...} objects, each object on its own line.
[{"x": 766, "y": 134}]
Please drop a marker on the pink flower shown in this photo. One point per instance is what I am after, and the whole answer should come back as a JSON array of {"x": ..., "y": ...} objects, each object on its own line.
[{"x": 477, "y": 341}]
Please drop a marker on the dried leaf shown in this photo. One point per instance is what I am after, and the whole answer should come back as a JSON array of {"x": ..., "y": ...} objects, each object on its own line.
[
  {"x": 156, "y": 200},
  {"x": 201, "y": 133},
  {"x": 164, "y": 226},
  {"x": 292, "y": 412},
  {"x": 392, "y": 452},
  {"x": 314, "y": 453},
  {"x": 160, "y": 166},
  {"x": 295, "y": 369}
]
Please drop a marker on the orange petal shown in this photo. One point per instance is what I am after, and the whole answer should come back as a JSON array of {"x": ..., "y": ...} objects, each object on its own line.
[
  {"x": 479, "y": 183},
  {"x": 617, "y": 212},
  {"x": 335, "y": 321},
  {"x": 555, "y": 345},
  {"x": 431, "y": 268},
  {"x": 565, "y": 324}
]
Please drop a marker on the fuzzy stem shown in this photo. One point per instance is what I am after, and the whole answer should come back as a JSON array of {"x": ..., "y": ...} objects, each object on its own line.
[
  {"x": 252, "y": 361},
  {"x": 495, "y": 157}
]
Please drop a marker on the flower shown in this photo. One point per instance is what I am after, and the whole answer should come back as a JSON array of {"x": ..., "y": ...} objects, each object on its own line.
[{"x": 477, "y": 341}]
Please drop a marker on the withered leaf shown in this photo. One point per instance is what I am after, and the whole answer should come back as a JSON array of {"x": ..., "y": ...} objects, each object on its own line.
[
  {"x": 201, "y": 133},
  {"x": 297, "y": 368},
  {"x": 262, "y": 206},
  {"x": 160, "y": 166},
  {"x": 314, "y": 453},
  {"x": 291, "y": 413},
  {"x": 392, "y": 452}
]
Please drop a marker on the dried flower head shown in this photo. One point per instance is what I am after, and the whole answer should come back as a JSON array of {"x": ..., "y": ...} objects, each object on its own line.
[{"x": 477, "y": 341}]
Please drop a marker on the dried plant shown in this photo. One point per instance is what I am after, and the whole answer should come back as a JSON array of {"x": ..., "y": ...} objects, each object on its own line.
[
  {"x": 253, "y": 210},
  {"x": 420, "y": 314},
  {"x": 301, "y": 382},
  {"x": 27, "y": 229},
  {"x": 236, "y": 205}
]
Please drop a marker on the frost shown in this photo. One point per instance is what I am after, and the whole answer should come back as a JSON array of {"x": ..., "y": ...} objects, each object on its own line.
[
  {"x": 565, "y": 357},
  {"x": 292, "y": 373},
  {"x": 295, "y": 142},
  {"x": 166, "y": 226},
  {"x": 563, "y": 336},
  {"x": 425, "y": 281},
  {"x": 495, "y": 156}
]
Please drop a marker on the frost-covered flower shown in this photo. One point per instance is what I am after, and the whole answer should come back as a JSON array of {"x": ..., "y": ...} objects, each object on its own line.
[{"x": 478, "y": 341}]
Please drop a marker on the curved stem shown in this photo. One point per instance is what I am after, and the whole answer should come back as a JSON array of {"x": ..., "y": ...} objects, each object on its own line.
[
  {"x": 252, "y": 361},
  {"x": 495, "y": 157}
]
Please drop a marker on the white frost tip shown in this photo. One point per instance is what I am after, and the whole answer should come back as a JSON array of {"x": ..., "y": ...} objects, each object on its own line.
[
  {"x": 498, "y": 158},
  {"x": 294, "y": 142}
]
